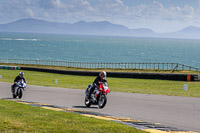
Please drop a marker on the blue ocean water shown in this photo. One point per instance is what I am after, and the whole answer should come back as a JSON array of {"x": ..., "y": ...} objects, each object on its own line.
[{"x": 79, "y": 48}]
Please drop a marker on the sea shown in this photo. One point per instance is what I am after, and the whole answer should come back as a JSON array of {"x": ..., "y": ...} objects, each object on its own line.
[{"x": 107, "y": 49}]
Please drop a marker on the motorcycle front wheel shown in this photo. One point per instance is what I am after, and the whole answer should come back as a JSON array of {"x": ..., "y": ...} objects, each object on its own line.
[
  {"x": 102, "y": 101},
  {"x": 20, "y": 93}
]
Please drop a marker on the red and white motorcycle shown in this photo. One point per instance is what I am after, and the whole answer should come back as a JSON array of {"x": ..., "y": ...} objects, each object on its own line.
[{"x": 99, "y": 95}]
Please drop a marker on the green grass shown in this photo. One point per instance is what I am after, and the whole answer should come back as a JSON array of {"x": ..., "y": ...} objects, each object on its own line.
[
  {"x": 17, "y": 117},
  {"x": 146, "y": 86}
]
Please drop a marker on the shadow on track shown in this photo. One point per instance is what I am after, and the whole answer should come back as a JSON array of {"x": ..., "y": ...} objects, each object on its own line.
[
  {"x": 84, "y": 107},
  {"x": 8, "y": 98}
]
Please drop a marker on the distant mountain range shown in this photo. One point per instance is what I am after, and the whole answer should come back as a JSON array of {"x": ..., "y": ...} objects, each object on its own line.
[{"x": 31, "y": 25}]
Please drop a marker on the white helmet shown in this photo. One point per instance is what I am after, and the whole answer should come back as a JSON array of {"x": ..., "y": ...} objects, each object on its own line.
[
  {"x": 102, "y": 74},
  {"x": 21, "y": 74}
]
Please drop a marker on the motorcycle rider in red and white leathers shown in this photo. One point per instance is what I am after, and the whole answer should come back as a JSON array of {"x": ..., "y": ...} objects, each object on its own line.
[{"x": 100, "y": 78}]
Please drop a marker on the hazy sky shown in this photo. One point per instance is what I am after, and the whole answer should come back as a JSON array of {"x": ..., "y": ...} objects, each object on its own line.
[{"x": 158, "y": 15}]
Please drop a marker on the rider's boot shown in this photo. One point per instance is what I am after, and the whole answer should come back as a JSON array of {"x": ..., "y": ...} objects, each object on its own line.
[{"x": 93, "y": 98}]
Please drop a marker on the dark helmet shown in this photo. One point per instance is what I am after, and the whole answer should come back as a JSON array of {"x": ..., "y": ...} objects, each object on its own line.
[
  {"x": 21, "y": 74},
  {"x": 102, "y": 74}
]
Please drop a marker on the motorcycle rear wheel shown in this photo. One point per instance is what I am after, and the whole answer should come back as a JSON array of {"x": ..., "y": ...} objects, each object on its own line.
[
  {"x": 14, "y": 96},
  {"x": 87, "y": 102}
]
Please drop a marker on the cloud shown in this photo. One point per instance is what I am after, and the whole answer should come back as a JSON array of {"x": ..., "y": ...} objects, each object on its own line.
[
  {"x": 57, "y": 4},
  {"x": 162, "y": 18},
  {"x": 154, "y": 14},
  {"x": 29, "y": 12}
]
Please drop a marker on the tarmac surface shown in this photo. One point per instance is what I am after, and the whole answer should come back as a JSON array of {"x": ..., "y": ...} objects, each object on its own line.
[{"x": 175, "y": 112}]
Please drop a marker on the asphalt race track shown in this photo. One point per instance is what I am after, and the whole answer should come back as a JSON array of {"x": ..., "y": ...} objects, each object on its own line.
[{"x": 174, "y": 111}]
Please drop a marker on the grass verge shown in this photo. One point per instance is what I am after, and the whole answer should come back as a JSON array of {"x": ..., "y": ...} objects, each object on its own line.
[
  {"x": 16, "y": 117},
  {"x": 145, "y": 86}
]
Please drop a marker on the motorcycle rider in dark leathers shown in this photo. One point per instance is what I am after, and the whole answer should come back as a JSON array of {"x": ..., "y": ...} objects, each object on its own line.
[
  {"x": 100, "y": 78},
  {"x": 17, "y": 79}
]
